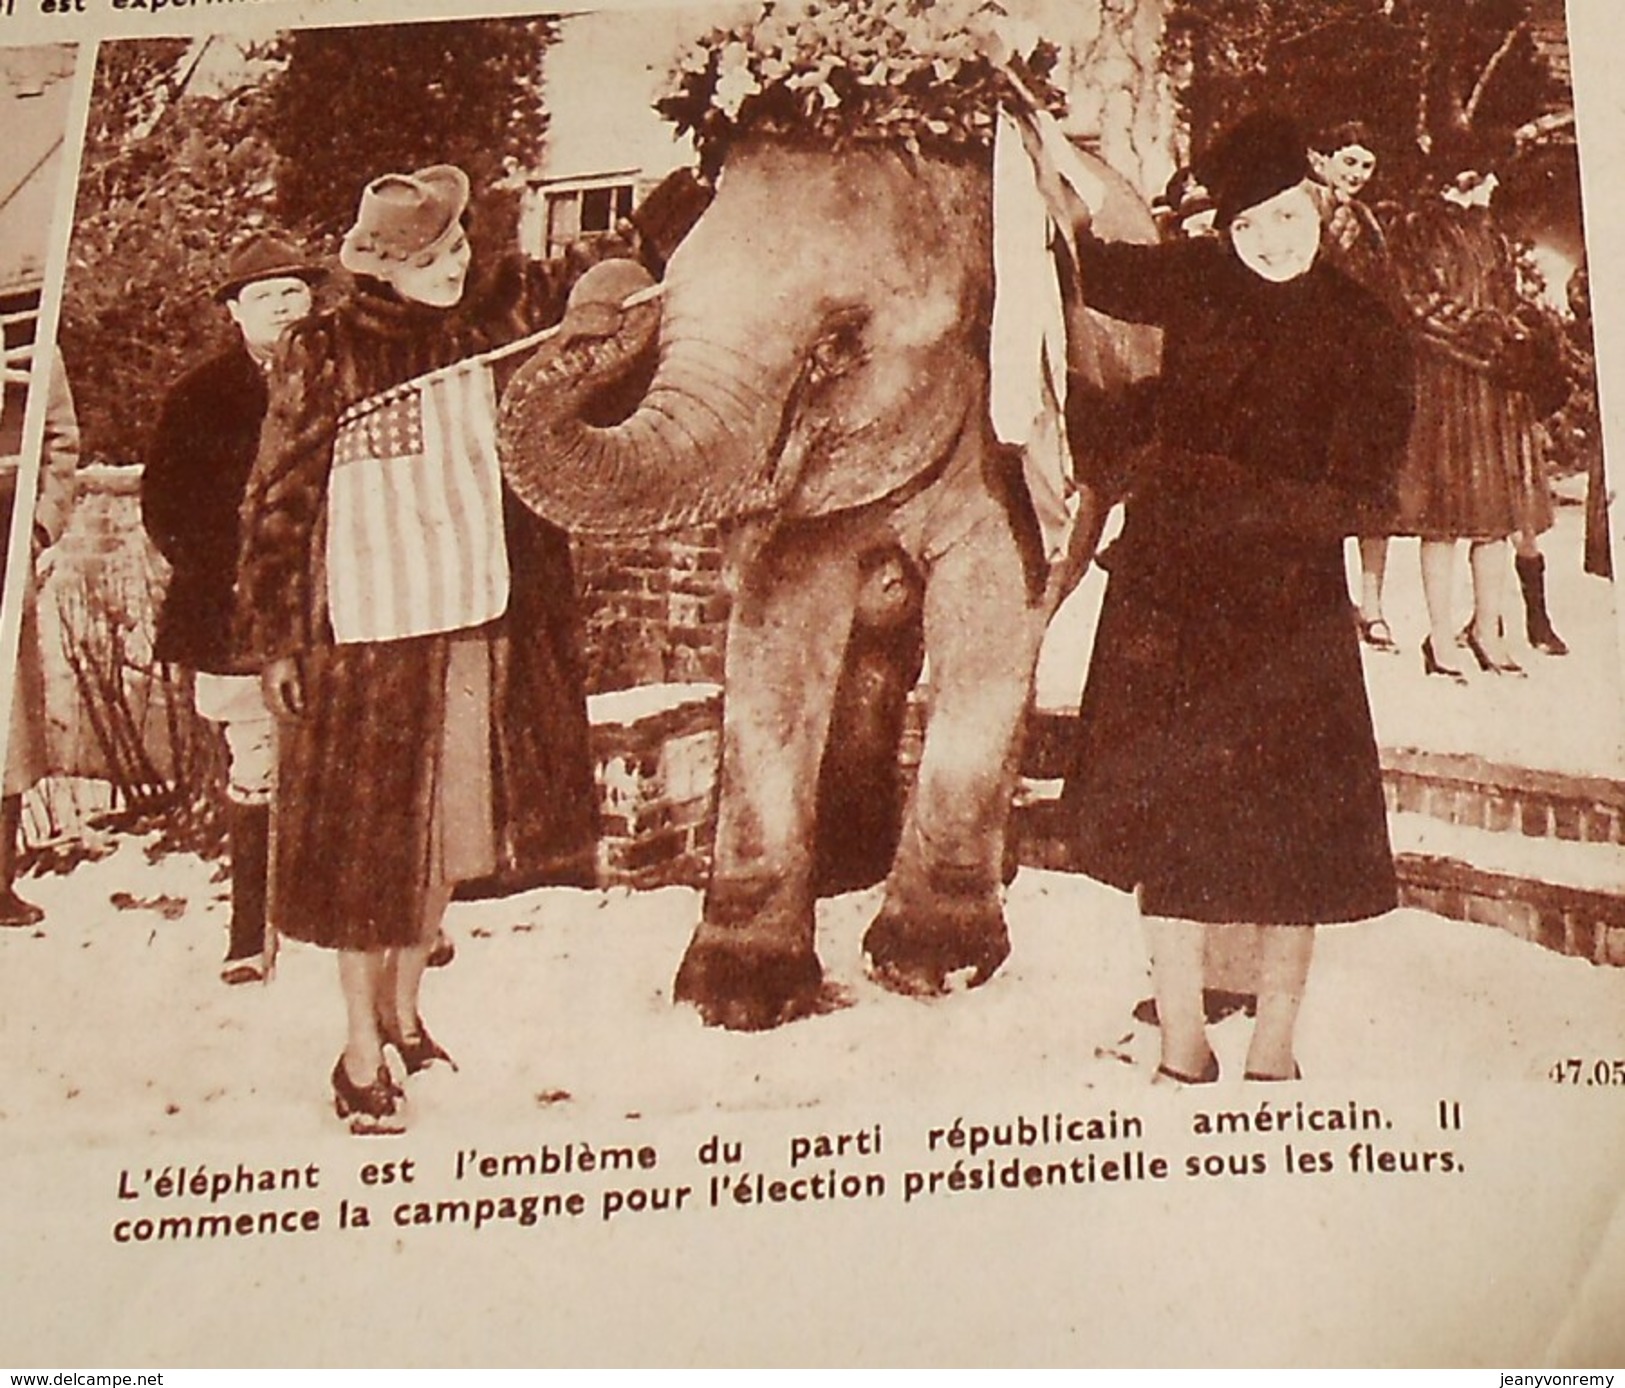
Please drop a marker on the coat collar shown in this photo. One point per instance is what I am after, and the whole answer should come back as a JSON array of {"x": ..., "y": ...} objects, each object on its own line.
[{"x": 379, "y": 309}]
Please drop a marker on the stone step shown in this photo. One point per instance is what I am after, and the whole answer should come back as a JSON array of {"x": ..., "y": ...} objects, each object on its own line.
[
  {"x": 1562, "y": 894},
  {"x": 1565, "y": 895},
  {"x": 1459, "y": 789},
  {"x": 1479, "y": 794},
  {"x": 1538, "y": 854}
]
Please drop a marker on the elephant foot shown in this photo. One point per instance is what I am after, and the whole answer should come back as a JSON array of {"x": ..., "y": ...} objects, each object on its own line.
[
  {"x": 919, "y": 948},
  {"x": 751, "y": 965},
  {"x": 742, "y": 987}
]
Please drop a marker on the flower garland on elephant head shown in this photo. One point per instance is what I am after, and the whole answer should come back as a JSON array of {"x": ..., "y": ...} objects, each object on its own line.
[{"x": 928, "y": 75}]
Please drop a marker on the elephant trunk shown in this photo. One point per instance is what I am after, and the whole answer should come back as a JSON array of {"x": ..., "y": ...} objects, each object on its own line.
[{"x": 698, "y": 447}]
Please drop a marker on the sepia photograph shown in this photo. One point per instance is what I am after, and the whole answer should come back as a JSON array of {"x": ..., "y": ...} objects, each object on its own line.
[{"x": 812, "y": 682}]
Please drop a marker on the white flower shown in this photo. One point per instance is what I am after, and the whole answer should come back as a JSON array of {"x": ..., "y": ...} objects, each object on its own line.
[
  {"x": 694, "y": 60},
  {"x": 735, "y": 81}
]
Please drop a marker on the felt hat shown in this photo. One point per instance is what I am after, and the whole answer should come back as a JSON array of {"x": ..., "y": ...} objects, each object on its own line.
[
  {"x": 266, "y": 256},
  {"x": 1261, "y": 155},
  {"x": 402, "y": 216}
]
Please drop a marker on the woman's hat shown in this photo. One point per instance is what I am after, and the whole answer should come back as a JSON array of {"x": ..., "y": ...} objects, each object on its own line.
[
  {"x": 266, "y": 257},
  {"x": 1262, "y": 155},
  {"x": 402, "y": 216}
]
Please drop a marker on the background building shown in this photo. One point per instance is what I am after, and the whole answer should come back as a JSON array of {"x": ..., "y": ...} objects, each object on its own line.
[{"x": 34, "y": 87}]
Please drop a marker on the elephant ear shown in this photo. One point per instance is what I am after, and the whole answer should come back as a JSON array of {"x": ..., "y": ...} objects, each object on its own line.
[{"x": 1105, "y": 354}]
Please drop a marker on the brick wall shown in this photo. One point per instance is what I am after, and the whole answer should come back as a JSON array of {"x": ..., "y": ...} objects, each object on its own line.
[
  {"x": 653, "y": 609},
  {"x": 656, "y": 751},
  {"x": 1478, "y": 794}
]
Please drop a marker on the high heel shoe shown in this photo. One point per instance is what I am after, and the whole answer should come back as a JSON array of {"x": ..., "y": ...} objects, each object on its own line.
[
  {"x": 421, "y": 1051},
  {"x": 1500, "y": 667},
  {"x": 1376, "y": 633},
  {"x": 1430, "y": 663},
  {"x": 373, "y": 1110}
]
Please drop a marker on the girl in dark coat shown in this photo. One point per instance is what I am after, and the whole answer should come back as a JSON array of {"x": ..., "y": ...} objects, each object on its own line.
[
  {"x": 406, "y": 764},
  {"x": 1226, "y": 766}
]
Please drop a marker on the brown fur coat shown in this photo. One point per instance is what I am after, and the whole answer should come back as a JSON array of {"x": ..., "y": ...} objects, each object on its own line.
[{"x": 356, "y": 788}]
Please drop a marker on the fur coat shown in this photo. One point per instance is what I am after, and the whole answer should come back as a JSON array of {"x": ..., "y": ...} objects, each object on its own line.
[
  {"x": 355, "y": 823},
  {"x": 1225, "y": 762}
]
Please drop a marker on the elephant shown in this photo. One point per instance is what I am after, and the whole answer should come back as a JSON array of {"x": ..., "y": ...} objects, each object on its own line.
[{"x": 821, "y": 392}]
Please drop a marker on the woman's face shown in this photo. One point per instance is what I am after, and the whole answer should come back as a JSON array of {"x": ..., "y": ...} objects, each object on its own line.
[
  {"x": 1277, "y": 239},
  {"x": 436, "y": 277},
  {"x": 1347, "y": 170}
]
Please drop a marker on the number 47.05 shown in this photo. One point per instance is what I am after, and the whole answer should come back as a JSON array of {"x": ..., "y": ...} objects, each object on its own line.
[{"x": 1576, "y": 1071}]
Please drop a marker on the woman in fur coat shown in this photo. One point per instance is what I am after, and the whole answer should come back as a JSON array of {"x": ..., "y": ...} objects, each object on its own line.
[
  {"x": 416, "y": 626},
  {"x": 1226, "y": 768}
]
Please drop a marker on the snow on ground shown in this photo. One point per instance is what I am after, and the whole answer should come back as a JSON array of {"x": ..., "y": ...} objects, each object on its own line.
[
  {"x": 114, "y": 1026},
  {"x": 627, "y": 706}
]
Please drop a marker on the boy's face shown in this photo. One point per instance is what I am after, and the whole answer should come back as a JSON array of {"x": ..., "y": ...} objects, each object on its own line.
[{"x": 265, "y": 309}]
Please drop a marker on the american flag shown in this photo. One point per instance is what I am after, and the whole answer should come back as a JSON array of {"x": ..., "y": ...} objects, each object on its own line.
[{"x": 414, "y": 525}]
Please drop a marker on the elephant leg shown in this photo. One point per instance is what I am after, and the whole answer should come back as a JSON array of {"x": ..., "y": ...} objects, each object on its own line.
[
  {"x": 752, "y": 963},
  {"x": 943, "y": 914}
]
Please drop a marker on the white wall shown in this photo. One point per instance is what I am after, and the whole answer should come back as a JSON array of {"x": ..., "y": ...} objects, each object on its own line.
[
  {"x": 601, "y": 78},
  {"x": 608, "y": 66}
]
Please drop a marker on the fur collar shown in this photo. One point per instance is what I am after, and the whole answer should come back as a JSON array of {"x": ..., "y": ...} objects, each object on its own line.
[{"x": 377, "y": 309}]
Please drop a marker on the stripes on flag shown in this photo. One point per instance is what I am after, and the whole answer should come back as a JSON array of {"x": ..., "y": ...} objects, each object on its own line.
[{"x": 415, "y": 541}]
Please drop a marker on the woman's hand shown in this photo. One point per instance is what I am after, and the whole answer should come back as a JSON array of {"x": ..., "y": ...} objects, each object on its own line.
[{"x": 283, "y": 685}]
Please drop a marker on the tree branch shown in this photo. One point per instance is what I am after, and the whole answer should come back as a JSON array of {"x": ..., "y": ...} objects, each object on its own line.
[
  {"x": 1424, "y": 131},
  {"x": 1496, "y": 59}
]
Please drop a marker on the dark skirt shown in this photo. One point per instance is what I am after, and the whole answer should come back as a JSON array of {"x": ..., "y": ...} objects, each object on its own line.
[
  {"x": 354, "y": 847},
  {"x": 1473, "y": 469},
  {"x": 1226, "y": 764}
]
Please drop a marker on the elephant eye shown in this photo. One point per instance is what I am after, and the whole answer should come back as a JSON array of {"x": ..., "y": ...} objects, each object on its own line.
[{"x": 839, "y": 347}]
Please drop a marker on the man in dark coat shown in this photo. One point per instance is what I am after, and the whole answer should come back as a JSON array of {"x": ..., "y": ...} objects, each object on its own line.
[{"x": 208, "y": 433}]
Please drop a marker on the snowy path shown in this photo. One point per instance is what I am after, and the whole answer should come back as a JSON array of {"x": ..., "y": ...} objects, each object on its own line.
[{"x": 557, "y": 1008}]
